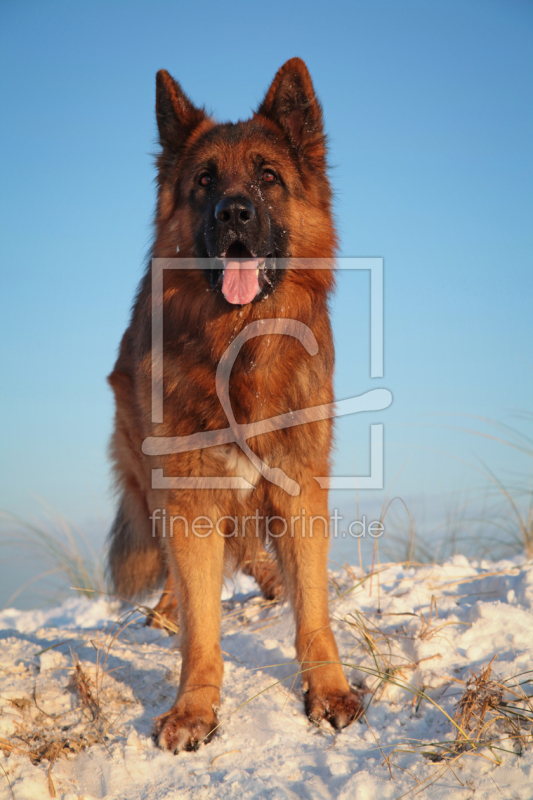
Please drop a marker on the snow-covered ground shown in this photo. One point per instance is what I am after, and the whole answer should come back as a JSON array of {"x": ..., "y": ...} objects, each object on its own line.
[{"x": 436, "y": 623}]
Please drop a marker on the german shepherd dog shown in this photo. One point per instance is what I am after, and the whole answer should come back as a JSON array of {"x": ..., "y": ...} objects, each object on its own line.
[{"x": 243, "y": 202}]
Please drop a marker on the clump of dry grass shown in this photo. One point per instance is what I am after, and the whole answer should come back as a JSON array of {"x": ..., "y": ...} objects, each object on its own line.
[
  {"x": 490, "y": 711},
  {"x": 46, "y": 737},
  {"x": 473, "y": 715}
]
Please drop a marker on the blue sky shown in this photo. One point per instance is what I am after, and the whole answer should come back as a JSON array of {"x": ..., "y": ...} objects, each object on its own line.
[{"x": 429, "y": 114}]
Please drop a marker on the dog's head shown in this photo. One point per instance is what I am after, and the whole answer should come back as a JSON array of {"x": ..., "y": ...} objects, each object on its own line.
[{"x": 244, "y": 195}]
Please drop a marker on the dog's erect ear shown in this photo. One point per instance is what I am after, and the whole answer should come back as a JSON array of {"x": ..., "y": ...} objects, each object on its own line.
[
  {"x": 292, "y": 104},
  {"x": 177, "y": 117}
]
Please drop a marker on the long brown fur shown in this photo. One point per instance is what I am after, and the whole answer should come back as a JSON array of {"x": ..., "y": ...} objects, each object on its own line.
[{"x": 272, "y": 375}]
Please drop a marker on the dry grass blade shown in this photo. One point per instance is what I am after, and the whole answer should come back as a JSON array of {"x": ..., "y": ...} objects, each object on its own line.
[
  {"x": 8, "y": 782},
  {"x": 80, "y": 683}
]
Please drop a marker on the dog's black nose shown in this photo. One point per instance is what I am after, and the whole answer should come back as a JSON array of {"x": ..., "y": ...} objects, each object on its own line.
[{"x": 235, "y": 211}]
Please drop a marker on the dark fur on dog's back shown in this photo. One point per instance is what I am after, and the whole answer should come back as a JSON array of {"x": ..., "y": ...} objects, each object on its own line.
[{"x": 252, "y": 190}]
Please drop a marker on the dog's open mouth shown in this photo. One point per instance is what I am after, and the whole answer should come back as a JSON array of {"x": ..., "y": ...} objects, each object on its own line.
[{"x": 243, "y": 274}]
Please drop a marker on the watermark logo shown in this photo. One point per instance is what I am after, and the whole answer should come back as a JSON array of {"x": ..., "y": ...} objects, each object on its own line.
[
  {"x": 373, "y": 400},
  {"x": 306, "y": 525}
]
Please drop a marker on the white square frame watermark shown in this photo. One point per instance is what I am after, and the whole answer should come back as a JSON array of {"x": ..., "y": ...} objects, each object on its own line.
[{"x": 374, "y": 400}]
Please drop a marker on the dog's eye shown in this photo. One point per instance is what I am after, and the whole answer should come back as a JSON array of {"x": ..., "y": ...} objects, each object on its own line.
[
  {"x": 269, "y": 176},
  {"x": 205, "y": 179}
]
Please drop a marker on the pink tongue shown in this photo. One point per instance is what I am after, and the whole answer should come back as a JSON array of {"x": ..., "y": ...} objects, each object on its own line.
[{"x": 240, "y": 284}]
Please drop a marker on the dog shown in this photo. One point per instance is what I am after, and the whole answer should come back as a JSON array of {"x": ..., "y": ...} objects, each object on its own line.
[{"x": 237, "y": 206}]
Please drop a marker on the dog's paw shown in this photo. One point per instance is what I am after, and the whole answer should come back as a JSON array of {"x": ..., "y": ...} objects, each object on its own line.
[
  {"x": 181, "y": 730},
  {"x": 165, "y": 619},
  {"x": 338, "y": 708}
]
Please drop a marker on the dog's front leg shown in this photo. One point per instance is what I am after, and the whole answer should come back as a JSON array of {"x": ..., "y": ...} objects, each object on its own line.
[
  {"x": 196, "y": 560},
  {"x": 303, "y": 552}
]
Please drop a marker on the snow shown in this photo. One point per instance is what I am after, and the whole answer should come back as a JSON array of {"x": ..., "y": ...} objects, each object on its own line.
[{"x": 436, "y": 622}]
